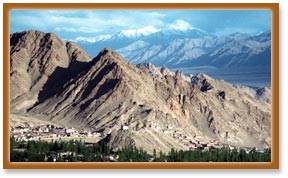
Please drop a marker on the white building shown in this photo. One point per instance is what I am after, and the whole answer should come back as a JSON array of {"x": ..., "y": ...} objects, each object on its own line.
[{"x": 125, "y": 127}]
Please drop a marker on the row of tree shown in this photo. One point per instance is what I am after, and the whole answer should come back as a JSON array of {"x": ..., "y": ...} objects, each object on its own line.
[
  {"x": 215, "y": 155},
  {"x": 40, "y": 151}
]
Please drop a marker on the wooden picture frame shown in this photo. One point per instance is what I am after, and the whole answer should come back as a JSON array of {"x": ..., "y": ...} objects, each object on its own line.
[{"x": 274, "y": 164}]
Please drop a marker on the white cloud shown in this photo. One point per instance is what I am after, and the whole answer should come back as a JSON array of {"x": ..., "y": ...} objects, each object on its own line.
[
  {"x": 66, "y": 29},
  {"x": 85, "y": 21},
  {"x": 154, "y": 14},
  {"x": 77, "y": 30},
  {"x": 180, "y": 25},
  {"x": 141, "y": 31}
]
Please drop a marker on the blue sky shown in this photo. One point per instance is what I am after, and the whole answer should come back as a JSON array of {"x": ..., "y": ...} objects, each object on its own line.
[{"x": 69, "y": 24}]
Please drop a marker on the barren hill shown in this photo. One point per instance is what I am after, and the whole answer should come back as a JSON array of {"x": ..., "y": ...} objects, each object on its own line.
[
  {"x": 34, "y": 56},
  {"x": 129, "y": 104}
]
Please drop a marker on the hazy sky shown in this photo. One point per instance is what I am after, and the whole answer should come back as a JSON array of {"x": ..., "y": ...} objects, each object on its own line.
[{"x": 69, "y": 24}]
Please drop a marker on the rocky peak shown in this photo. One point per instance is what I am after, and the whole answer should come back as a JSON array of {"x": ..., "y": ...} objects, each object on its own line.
[
  {"x": 108, "y": 55},
  {"x": 146, "y": 65},
  {"x": 260, "y": 91},
  {"x": 34, "y": 56},
  {"x": 76, "y": 53},
  {"x": 105, "y": 51},
  {"x": 166, "y": 71},
  {"x": 204, "y": 76},
  {"x": 263, "y": 94},
  {"x": 178, "y": 73},
  {"x": 202, "y": 80},
  {"x": 155, "y": 71}
]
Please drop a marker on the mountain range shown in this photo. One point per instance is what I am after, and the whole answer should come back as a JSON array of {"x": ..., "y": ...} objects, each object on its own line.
[
  {"x": 176, "y": 48},
  {"x": 143, "y": 105}
]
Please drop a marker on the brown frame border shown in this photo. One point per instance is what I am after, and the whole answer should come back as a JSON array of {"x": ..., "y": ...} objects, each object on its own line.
[{"x": 274, "y": 7}]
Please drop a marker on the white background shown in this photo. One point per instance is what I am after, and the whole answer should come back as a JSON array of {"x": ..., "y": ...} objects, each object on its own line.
[{"x": 172, "y": 173}]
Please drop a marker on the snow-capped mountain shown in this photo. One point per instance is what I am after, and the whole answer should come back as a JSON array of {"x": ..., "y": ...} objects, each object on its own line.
[
  {"x": 124, "y": 38},
  {"x": 135, "y": 33},
  {"x": 240, "y": 50},
  {"x": 235, "y": 50},
  {"x": 92, "y": 39},
  {"x": 175, "y": 47},
  {"x": 148, "y": 33}
]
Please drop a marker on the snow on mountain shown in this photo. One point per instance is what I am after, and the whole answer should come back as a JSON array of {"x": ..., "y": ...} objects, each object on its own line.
[
  {"x": 241, "y": 50},
  {"x": 135, "y": 33},
  {"x": 130, "y": 34},
  {"x": 175, "y": 51},
  {"x": 182, "y": 47},
  {"x": 147, "y": 33},
  {"x": 92, "y": 39},
  {"x": 235, "y": 50}
]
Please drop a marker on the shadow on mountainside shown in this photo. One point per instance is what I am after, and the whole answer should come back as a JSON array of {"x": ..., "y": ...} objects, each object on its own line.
[{"x": 57, "y": 80}]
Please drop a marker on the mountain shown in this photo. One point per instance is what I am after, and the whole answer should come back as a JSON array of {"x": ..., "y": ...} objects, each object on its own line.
[
  {"x": 233, "y": 51},
  {"x": 135, "y": 34},
  {"x": 126, "y": 37},
  {"x": 185, "y": 48},
  {"x": 34, "y": 57},
  {"x": 155, "y": 71},
  {"x": 143, "y": 105},
  {"x": 239, "y": 50}
]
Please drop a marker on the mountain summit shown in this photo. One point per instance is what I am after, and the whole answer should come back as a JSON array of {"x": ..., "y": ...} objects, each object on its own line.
[
  {"x": 34, "y": 56},
  {"x": 145, "y": 106},
  {"x": 176, "y": 47}
]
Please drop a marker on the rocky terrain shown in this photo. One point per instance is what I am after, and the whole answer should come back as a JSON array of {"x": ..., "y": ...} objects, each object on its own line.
[
  {"x": 34, "y": 57},
  {"x": 143, "y": 105}
]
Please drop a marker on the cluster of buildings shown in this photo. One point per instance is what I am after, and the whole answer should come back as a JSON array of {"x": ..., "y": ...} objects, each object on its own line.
[
  {"x": 28, "y": 132},
  {"x": 47, "y": 132},
  {"x": 194, "y": 143}
]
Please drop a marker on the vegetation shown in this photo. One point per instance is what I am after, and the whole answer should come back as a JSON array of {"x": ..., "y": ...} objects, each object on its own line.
[{"x": 77, "y": 151}]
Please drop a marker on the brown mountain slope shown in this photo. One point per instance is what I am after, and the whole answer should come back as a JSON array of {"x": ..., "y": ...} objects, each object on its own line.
[
  {"x": 34, "y": 56},
  {"x": 128, "y": 105}
]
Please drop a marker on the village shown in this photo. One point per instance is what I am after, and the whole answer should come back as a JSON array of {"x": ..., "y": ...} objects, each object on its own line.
[
  {"x": 48, "y": 132},
  {"x": 194, "y": 143},
  {"x": 51, "y": 132}
]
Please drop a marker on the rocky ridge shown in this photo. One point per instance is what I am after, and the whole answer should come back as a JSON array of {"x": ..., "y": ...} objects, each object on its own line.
[{"x": 34, "y": 56}]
